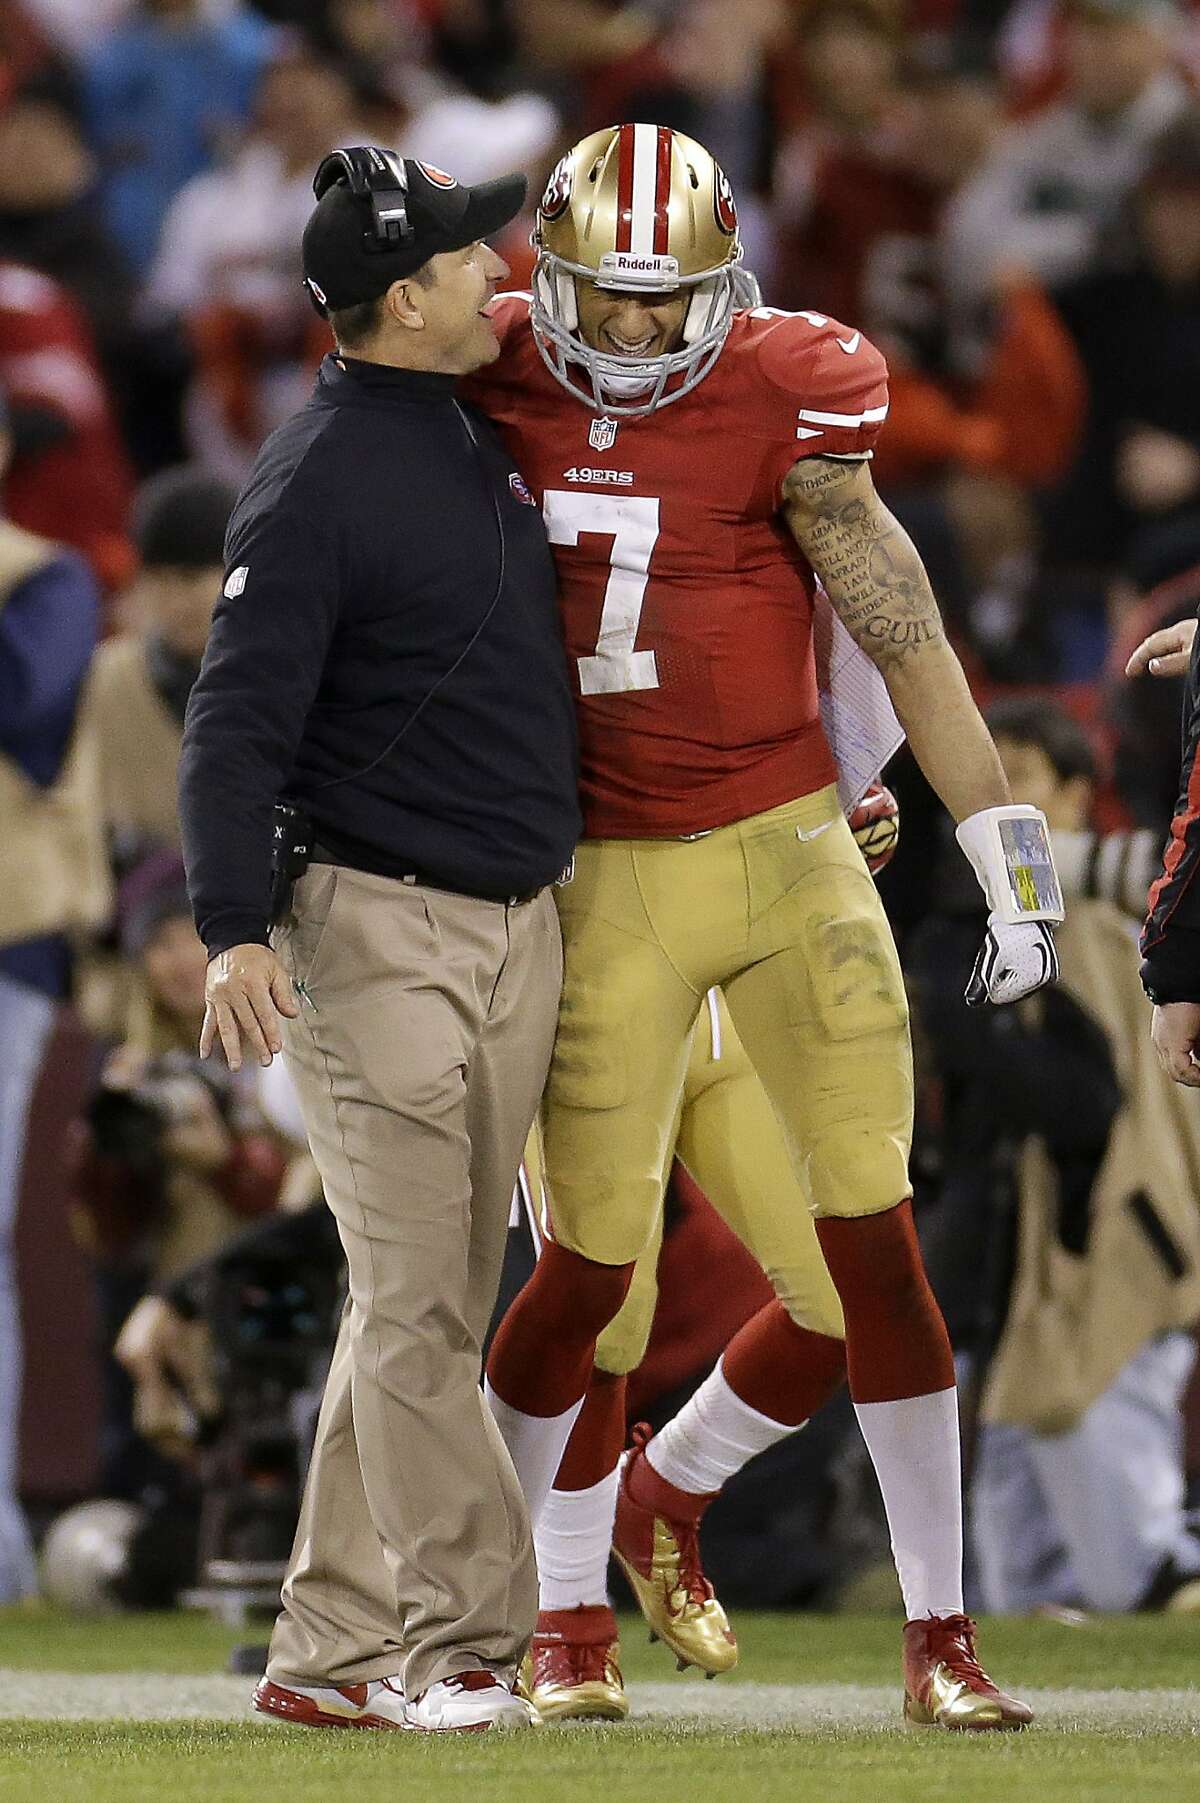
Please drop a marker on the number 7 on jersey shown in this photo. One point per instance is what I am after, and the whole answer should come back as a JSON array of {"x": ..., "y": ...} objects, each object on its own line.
[{"x": 631, "y": 521}]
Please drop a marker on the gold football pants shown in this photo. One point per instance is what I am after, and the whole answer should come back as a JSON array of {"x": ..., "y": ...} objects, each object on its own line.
[
  {"x": 779, "y": 912},
  {"x": 730, "y": 1141}
]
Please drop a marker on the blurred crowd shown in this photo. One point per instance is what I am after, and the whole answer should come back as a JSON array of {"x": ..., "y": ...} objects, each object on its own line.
[{"x": 1005, "y": 195}]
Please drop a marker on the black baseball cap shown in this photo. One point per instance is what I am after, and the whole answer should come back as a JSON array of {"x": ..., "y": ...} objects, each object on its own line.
[{"x": 379, "y": 217}]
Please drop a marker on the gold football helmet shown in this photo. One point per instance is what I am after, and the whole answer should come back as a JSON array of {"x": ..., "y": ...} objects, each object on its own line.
[{"x": 638, "y": 209}]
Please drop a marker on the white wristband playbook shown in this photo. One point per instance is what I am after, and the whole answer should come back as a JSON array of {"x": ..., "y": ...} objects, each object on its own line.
[{"x": 1009, "y": 851}]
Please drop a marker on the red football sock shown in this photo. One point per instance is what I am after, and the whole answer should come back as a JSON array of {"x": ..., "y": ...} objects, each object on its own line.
[
  {"x": 896, "y": 1339},
  {"x": 598, "y": 1436},
  {"x": 782, "y": 1370},
  {"x": 541, "y": 1357}
]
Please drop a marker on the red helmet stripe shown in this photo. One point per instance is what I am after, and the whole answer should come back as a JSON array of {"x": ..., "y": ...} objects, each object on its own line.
[
  {"x": 625, "y": 188},
  {"x": 662, "y": 192}
]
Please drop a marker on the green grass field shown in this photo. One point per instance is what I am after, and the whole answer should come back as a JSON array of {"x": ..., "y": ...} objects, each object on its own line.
[{"x": 811, "y": 1712}]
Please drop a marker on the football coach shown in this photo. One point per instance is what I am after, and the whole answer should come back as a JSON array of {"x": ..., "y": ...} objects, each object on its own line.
[{"x": 377, "y": 789}]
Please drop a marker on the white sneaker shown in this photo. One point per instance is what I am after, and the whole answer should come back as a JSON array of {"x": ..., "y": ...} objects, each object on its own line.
[
  {"x": 379, "y": 1704},
  {"x": 468, "y": 1703}
]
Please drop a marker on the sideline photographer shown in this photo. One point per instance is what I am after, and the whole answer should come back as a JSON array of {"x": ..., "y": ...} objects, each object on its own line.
[
  {"x": 386, "y": 662},
  {"x": 171, "y": 1156}
]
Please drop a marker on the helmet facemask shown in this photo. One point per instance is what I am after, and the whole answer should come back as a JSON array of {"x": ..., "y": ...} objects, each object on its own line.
[{"x": 627, "y": 385}]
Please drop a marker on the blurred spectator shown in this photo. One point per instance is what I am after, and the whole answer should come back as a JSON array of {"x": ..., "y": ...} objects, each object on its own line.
[
  {"x": 383, "y": 46},
  {"x": 229, "y": 263},
  {"x": 605, "y": 60},
  {"x": 174, "y": 1152},
  {"x": 76, "y": 24},
  {"x": 1058, "y": 180},
  {"x": 172, "y": 1155},
  {"x": 477, "y": 140},
  {"x": 969, "y": 371},
  {"x": 849, "y": 199},
  {"x": 162, "y": 93},
  {"x": 49, "y": 219},
  {"x": 26, "y": 52},
  {"x": 1138, "y": 333},
  {"x": 55, "y": 883},
  {"x": 141, "y": 678},
  {"x": 69, "y": 478},
  {"x": 1066, "y": 1241}
]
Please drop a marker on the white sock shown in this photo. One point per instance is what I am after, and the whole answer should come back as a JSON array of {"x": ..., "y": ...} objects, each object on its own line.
[
  {"x": 712, "y": 1436},
  {"x": 573, "y": 1541},
  {"x": 536, "y": 1444},
  {"x": 913, "y": 1444}
]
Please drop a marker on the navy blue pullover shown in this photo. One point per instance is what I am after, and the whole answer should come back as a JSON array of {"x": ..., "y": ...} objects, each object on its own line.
[{"x": 361, "y": 558}]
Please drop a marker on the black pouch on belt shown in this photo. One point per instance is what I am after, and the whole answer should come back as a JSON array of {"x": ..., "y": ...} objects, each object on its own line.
[{"x": 291, "y": 849}]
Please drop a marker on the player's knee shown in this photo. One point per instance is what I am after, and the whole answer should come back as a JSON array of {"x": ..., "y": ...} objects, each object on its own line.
[
  {"x": 875, "y": 1261},
  {"x": 622, "y": 1346},
  {"x": 574, "y": 1297},
  {"x": 815, "y": 1314}
]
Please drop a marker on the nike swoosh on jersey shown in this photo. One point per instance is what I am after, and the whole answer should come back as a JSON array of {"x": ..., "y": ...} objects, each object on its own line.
[
  {"x": 850, "y": 345},
  {"x": 813, "y": 832}
]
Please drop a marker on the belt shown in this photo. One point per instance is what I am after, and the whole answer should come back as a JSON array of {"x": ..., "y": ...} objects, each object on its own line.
[{"x": 423, "y": 879}]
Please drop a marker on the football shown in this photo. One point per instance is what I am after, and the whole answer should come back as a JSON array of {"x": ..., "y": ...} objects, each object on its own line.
[{"x": 875, "y": 823}]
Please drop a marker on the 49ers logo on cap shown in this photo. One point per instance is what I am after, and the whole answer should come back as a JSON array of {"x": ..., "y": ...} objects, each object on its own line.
[
  {"x": 558, "y": 191},
  {"x": 723, "y": 206},
  {"x": 437, "y": 176}
]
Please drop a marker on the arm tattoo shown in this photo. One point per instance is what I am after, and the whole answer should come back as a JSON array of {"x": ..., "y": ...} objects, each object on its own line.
[{"x": 866, "y": 561}]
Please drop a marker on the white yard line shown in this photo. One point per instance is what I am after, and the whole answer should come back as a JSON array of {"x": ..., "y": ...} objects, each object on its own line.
[{"x": 151, "y": 1697}]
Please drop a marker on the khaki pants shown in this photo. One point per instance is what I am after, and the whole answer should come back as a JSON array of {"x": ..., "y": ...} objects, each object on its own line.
[{"x": 420, "y": 1051}]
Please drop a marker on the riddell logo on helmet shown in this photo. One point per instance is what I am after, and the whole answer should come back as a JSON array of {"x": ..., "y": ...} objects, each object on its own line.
[{"x": 648, "y": 271}]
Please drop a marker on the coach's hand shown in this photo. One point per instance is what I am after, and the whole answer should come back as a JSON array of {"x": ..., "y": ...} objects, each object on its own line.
[
  {"x": 1167, "y": 652},
  {"x": 1176, "y": 1034},
  {"x": 245, "y": 992}
]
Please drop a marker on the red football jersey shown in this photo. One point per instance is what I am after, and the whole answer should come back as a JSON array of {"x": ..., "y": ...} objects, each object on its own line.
[{"x": 687, "y": 607}]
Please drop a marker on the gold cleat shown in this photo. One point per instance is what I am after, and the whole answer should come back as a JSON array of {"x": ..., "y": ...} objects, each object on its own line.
[
  {"x": 946, "y": 1687},
  {"x": 656, "y": 1543},
  {"x": 573, "y": 1669}
]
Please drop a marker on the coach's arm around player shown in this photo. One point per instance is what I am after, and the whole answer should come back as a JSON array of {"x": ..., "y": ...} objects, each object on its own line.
[{"x": 878, "y": 586}]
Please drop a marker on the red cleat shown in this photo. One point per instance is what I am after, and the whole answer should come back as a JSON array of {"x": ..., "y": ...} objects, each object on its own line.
[
  {"x": 657, "y": 1543},
  {"x": 944, "y": 1684},
  {"x": 574, "y": 1673}
]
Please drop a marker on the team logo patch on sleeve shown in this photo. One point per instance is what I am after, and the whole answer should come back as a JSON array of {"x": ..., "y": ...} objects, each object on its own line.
[
  {"x": 235, "y": 582},
  {"x": 517, "y": 483}
]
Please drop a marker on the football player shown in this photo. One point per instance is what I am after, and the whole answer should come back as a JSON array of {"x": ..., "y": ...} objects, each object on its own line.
[
  {"x": 777, "y": 1371},
  {"x": 700, "y": 467}
]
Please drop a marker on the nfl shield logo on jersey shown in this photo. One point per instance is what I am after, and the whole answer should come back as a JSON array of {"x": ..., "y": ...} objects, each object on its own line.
[{"x": 602, "y": 434}]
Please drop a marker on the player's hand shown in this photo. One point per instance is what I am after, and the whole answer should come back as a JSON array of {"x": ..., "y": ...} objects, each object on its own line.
[
  {"x": 245, "y": 992},
  {"x": 1016, "y": 958},
  {"x": 1175, "y": 1031},
  {"x": 1167, "y": 652},
  {"x": 875, "y": 823}
]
